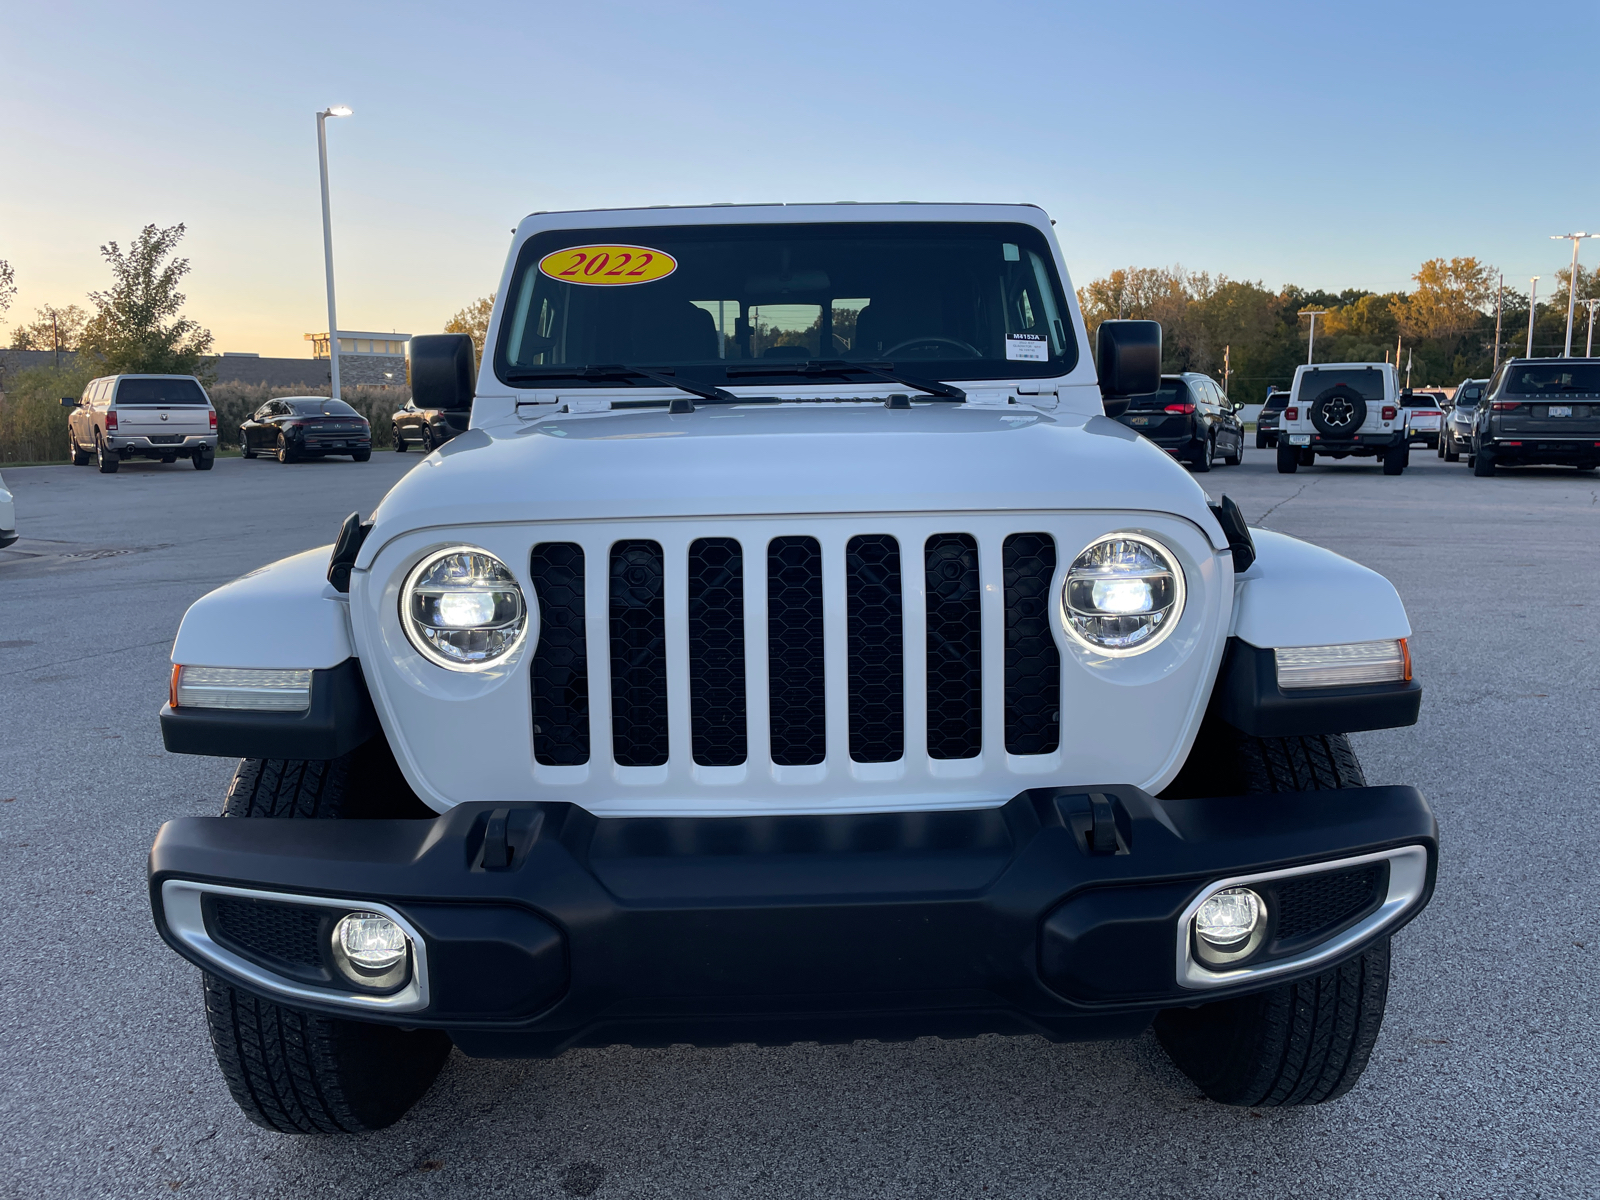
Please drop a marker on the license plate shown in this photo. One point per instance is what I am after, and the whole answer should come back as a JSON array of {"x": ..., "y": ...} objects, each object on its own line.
[
  {"x": 1138, "y": 420},
  {"x": 1561, "y": 410},
  {"x": 1299, "y": 439}
]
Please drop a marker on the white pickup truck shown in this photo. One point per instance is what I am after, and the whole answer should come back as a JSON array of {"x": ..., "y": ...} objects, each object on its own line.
[
  {"x": 790, "y": 649},
  {"x": 160, "y": 417}
]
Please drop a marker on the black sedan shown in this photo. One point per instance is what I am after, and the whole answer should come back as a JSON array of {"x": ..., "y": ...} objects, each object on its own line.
[
  {"x": 298, "y": 427},
  {"x": 427, "y": 427},
  {"x": 1190, "y": 419}
]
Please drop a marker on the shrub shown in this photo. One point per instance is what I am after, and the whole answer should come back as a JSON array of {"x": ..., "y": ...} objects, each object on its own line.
[{"x": 33, "y": 425}]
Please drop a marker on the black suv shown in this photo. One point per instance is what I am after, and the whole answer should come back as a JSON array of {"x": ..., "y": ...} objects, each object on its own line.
[
  {"x": 1539, "y": 410},
  {"x": 1190, "y": 419},
  {"x": 1267, "y": 422}
]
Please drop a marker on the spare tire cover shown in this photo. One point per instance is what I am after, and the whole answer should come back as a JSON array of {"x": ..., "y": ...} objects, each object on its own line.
[{"x": 1339, "y": 412}]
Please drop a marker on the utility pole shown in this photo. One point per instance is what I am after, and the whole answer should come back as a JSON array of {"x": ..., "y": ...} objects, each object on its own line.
[
  {"x": 1588, "y": 349},
  {"x": 1533, "y": 307},
  {"x": 1572, "y": 280},
  {"x": 55, "y": 337},
  {"x": 1311, "y": 345},
  {"x": 1227, "y": 371},
  {"x": 336, "y": 110},
  {"x": 1499, "y": 294},
  {"x": 1409, "y": 353}
]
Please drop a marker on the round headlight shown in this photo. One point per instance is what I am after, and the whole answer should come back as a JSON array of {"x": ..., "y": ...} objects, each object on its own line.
[
  {"x": 1229, "y": 926},
  {"x": 462, "y": 609},
  {"x": 1123, "y": 595}
]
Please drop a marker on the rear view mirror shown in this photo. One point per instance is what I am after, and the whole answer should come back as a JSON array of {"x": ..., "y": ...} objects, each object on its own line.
[
  {"x": 1128, "y": 360},
  {"x": 69, "y": 402},
  {"x": 442, "y": 370}
]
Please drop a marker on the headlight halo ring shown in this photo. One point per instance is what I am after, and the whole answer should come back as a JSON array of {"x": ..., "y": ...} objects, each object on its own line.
[
  {"x": 526, "y": 615},
  {"x": 1172, "y": 613}
]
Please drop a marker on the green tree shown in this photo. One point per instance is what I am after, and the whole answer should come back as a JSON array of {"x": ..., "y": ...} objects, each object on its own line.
[
  {"x": 473, "y": 320},
  {"x": 52, "y": 329},
  {"x": 137, "y": 326},
  {"x": 8, "y": 285}
]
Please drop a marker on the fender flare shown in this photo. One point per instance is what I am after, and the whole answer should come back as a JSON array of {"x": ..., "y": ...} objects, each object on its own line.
[{"x": 247, "y": 623}]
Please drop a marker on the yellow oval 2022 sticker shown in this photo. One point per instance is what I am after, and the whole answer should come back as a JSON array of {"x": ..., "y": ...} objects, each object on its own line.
[{"x": 608, "y": 266}]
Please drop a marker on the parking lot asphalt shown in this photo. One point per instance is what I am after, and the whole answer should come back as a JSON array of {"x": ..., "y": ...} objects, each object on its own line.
[{"x": 1484, "y": 1082}]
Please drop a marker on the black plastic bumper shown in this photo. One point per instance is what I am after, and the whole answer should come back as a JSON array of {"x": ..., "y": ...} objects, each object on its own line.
[
  {"x": 339, "y": 719},
  {"x": 650, "y": 931},
  {"x": 1247, "y": 696}
]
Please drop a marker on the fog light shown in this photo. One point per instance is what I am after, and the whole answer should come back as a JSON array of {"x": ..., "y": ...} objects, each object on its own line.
[
  {"x": 1229, "y": 926},
  {"x": 370, "y": 950}
]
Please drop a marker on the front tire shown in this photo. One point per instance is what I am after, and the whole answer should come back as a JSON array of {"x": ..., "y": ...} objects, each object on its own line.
[
  {"x": 246, "y": 450},
  {"x": 1300, "y": 1043},
  {"x": 1451, "y": 452},
  {"x": 80, "y": 458},
  {"x": 300, "y": 1072},
  {"x": 1288, "y": 459}
]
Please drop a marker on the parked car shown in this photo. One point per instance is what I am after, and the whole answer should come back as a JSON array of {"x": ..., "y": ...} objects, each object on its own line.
[
  {"x": 297, "y": 427},
  {"x": 161, "y": 417},
  {"x": 1424, "y": 417},
  {"x": 1267, "y": 422},
  {"x": 426, "y": 427},
  {"x": 1344, "y": 410},
  {"x": 1456, "y": 437},
  {"x": 1539, "y": 411},
  {"x": 1190, "y": 419},
  {"x": 8, "y": 516},
  {"x": 713, "y": 695}
]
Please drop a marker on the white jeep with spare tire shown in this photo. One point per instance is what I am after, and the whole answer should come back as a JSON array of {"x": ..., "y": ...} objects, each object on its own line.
[
  {"x": 790, "y": 649},
  {"x": 1344, "y": 410}
]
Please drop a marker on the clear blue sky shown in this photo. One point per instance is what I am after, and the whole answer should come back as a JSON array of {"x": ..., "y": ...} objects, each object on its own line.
[{"x": 1328, "y": 145}]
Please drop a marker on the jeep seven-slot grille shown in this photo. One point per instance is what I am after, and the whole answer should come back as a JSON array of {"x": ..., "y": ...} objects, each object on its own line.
[
  {"x": 561, "y": 660},
  {"x": 876, "y": 648},
  {"x": 716, "y": 652},
  {"x": 794, "y": 652},
  {"x": 955, "y": 636},
  {"x": 869, "y": 579},
  {"x": 638, "y": 655},
  {"x": 1033, "y": 662}
]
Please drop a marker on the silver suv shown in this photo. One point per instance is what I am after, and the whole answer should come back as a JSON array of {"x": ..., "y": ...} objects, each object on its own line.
[{"x": 161, "y": 417}]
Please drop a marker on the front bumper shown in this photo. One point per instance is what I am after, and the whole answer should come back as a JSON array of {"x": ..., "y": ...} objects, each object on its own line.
[{"x": 538, "y": 927}]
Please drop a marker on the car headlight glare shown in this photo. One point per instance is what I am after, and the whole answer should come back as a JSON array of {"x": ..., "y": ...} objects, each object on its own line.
[
  {"x": 462, "y": 609},
  {"x": 1123, "y": 594}
]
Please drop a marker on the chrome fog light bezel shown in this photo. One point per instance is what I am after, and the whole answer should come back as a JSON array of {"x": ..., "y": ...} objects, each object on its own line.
[
  {"x": 1172, "y": 613},
  {"x": 385, "y": 977},
  {"x": 1224, "y": 953}
]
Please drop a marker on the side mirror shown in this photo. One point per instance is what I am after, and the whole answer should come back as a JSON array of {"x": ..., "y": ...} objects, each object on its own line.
[
  {"x": 442, "y": 371},
  {"x": 69, "y": 402},
  {"x": 1127, "y": 357}
]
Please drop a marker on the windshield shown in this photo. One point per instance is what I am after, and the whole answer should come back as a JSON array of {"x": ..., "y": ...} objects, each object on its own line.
[
  {"x": 1172, "y": 391},
  {"x": 316, "y": 405},
  {"x": 1367, "y": 382},
  {"x": 1554, "y": 380},
  {"x": 159, "y": 391},
  {"x": 956, "y": 300}
]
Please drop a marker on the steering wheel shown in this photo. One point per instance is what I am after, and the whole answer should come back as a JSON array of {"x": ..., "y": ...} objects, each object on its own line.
[{"x": 967, "y": 348}]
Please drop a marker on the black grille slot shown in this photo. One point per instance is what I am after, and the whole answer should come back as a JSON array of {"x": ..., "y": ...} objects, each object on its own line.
[
  {"x": 561, "y": 660},
  {"x": 1033, "y": 663},
  {"x": 1313, "y": 905},
  {"x": 717, "y": 721},
  {"x": 955, "y": 640},
  {"x": 876, "y": 647},
  {"x": 794, "y": 651},
  {"x": 638, "y": 655},
  {"x": 281, "y": 933}
]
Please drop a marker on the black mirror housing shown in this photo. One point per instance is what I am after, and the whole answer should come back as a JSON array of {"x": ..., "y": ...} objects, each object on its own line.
[
  {"x": 442, "y": 369},
  {"x": 1127, "y": 358},
  {"x": 69, "y": 402}
]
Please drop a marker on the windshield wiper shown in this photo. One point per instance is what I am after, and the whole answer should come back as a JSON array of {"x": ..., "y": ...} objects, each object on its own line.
[
  {"x": 666, "y": 377},
  {"x": 838, "y": 366}
]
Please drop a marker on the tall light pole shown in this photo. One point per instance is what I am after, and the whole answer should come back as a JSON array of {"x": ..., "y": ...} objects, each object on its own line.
[
  {"x": 1499, "y": 295},
  {"x": 1533, "y": 307},
  {"x": 1588, "y": 349},
  {"x": 1572, "y": 280},
  {"x": 1313, "y": 313},
  {"x": 334, "y": 110}
]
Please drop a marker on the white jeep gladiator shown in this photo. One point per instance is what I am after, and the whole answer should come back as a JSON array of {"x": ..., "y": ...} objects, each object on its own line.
[
  {"x": 790, "y": 649},
  {"x": 1345, "y": 410}
]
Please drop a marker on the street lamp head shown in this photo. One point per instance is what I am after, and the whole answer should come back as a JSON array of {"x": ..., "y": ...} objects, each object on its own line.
[{"x": 337, "y": 110}]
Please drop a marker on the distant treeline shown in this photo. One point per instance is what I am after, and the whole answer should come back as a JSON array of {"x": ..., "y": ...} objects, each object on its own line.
[{"x": 1445, "y": 327}]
